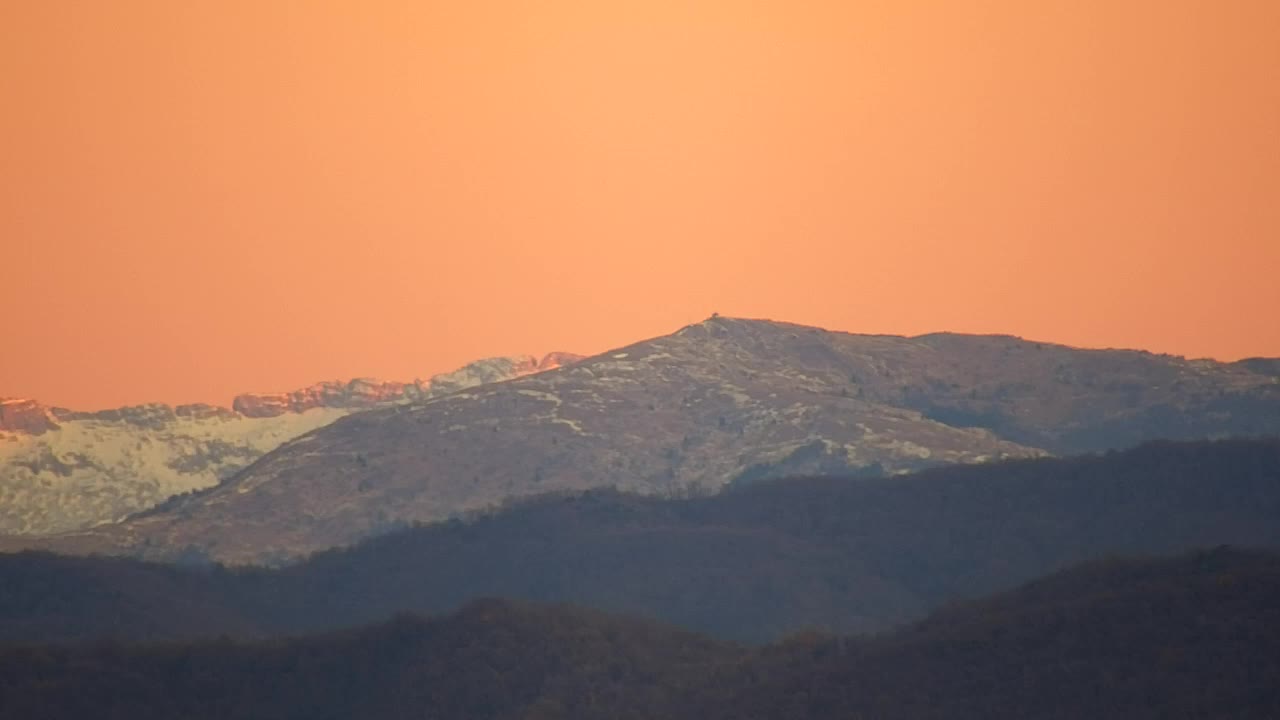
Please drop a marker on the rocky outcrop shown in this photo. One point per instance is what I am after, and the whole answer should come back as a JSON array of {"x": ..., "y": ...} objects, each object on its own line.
[
  {"x": 356, "y": 394},
  {"x": 554, "y": 360},
  {"x": 154, "y": 416},
  {"x": 19, "y": 415},
  {"x": 202, "y": 411},
  {"x": 367, "y": 393},
  {"x": 499, "y": 369}
]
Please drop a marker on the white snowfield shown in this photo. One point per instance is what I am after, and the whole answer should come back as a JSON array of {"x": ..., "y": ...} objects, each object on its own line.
[{"x": 88, "y": 472}]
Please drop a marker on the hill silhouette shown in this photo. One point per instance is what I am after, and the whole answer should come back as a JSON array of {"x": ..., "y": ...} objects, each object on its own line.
[
  {"x": 1194, "y": 636},
  {"x": 752, "y": 564}
]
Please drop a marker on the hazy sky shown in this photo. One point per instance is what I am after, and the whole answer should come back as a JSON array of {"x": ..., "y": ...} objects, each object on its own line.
[{"x": 206, "y": 197}]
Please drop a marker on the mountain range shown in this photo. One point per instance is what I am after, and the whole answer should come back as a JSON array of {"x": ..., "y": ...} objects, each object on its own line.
[
  {"x": 720, "y": 403},
  {"x": 64, "y": 470},
  {"x": 787, "y": 522}
]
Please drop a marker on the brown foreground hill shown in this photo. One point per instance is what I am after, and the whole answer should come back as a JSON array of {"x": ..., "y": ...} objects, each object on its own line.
[{"x": 725, "y": 401}]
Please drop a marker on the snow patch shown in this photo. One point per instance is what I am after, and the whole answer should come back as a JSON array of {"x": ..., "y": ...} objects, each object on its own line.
[
  {"x": 541, "y": 395},
  {"x": 573, "y": 424}
]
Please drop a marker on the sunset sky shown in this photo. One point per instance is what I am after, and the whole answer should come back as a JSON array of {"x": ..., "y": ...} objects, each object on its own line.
[{"x": 209, "y": 197}]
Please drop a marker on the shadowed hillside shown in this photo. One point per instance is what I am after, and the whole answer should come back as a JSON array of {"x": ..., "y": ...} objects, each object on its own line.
[
  {"x": 1196, "y": 636},
  {"x": 493, "y": 659},
  {"x": 847, "y": 554}
]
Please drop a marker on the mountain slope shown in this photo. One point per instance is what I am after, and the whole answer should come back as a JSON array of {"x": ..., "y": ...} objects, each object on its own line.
[
  {"x": 751, "y": 564},
  {"x": 492, "y": 659},
  {"x": 56, "y": 598},
  {"x": 62, "y": 470}
]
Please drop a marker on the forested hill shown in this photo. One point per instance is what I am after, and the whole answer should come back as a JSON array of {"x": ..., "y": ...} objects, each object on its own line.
[
  {"x": 845, "y": 554},
  {"x": 1196, "y": 636}
]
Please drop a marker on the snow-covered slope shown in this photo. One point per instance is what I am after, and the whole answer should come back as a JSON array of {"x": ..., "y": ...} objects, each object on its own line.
[{"x": 62, "y": 470}]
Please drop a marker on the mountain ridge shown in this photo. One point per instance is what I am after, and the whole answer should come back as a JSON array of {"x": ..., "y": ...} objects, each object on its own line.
[
  {"x": 722, "y": 402},
  {"x": 30, "y": 416},
  {"x": 719, "y": 402}
]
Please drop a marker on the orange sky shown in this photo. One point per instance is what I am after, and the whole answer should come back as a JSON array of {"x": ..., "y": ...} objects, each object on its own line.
[{"x": 207, "y": 197}]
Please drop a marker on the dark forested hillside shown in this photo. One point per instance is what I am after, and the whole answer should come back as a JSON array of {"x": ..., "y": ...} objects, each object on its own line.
[
  {"x": 1195, "y": 636},
  {"x": 842, "y": 554},
  {"x": 54, "y": 598},
  {"x": 493, "y": 659},
  {"x": 845, "y": 554}
]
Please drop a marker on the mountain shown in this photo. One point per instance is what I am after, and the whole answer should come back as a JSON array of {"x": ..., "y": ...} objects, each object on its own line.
[
  {"x": 752, "y": 564},
  {"x": 1193, "y": 636},
  {"x": 62, "y": 470},
  {"x": 719, "y": 403}
]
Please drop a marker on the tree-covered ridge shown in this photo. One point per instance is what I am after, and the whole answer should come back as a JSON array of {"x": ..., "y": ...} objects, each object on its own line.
[
  {"x": 1197, "y": 636},
  {"x": 844, "y": 554},
  {"x": 1194, "y": 636},
  {"x": 492, "y": 659}
]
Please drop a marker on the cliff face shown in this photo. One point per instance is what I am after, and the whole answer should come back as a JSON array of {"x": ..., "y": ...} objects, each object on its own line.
[
  {"x": 150, "y": 415},
  {"x": 499, "y": 369},
  {"x": 366, "y": 393},
  {"x": 361, "y": 393},
  {"x": 64, "y": 470}
]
